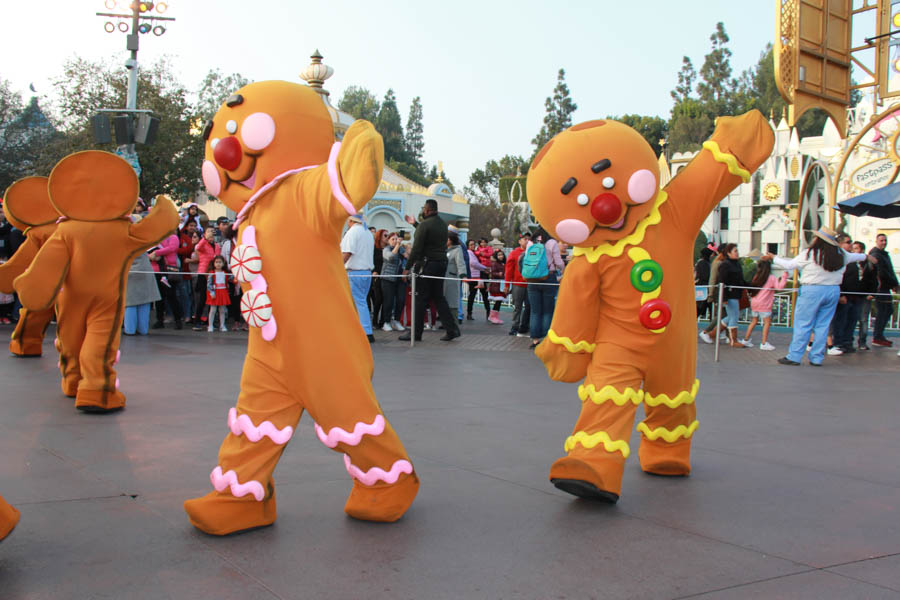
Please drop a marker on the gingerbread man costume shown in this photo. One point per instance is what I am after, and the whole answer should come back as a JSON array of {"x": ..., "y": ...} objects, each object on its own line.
[
  {"x": 625, "y": 321},
  {"x": 85, "y": 264},
  {"x": 28, "y": 208},
  {"x": 9, "y": 517},
  {"x": 272, "y": 157}
]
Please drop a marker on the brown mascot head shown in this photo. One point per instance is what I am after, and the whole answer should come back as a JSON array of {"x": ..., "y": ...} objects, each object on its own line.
[
  {"x": 263, "y": 130},
  {"x": 27, "y": 203},
  {"x": 93, "y": 186},
  {"x": 593, "y": 183}
]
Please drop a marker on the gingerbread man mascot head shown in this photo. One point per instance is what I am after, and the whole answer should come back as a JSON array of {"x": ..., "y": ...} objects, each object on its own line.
[
  {"x": 85, "y": 265},
  {"x": 625, "y": 321},
  {"x": 271, "y": 156},
  {"x": 28, "y": 208}
]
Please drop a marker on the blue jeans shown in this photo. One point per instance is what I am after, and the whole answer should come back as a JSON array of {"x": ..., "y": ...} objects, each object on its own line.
[
  {"x": 732, "y": 312},
  {"x": 360, "y": 282},
  {"x": 865, "y": 312},
  {"x": 137, "y": 319},
  {"x": 542, "y": 299},
  {"x": 813, "y": 314}
]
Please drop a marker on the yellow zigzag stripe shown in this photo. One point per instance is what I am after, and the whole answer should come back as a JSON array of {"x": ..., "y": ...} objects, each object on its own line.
[
  {"x": 728, "y": 160},
  {"x": 571, "y": 346},
  {"x": 608, "y": 392},
  {"x": 593, "y": 439},
  {"x": 669, "y": 435},
  {"x": 637, "y": 255},
  {"x": 685, "y": 397},
  {"x": 616, "y": 249}
]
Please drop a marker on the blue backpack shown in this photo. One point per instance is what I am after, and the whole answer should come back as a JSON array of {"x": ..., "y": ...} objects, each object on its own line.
[{"x": 534, "y": 263}]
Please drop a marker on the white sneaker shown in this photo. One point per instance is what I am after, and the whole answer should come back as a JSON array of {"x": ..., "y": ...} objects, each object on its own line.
[
  {"x": 397, "y": 325},
  {"x": 724, "y": 337},
  {"x": 428, "y": 327},
  {"x": 387, "y": 327},
  {"x": 210, "y": 329},
  {"x": 705, "y": 337},
  {"x": 809, "y": 347},
  {"x": 835, "y": 351},
  {"x": 523, "y": 335},
  {"x": 766, "y": 346},
  {"x": 223, "y": 328},
  {"x": 747, "y": 343}
]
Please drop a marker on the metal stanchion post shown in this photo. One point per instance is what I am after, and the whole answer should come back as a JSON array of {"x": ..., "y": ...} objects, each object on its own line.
[
  {"x": 719, "y": 318},
  {"x": 412, "y": 311}
]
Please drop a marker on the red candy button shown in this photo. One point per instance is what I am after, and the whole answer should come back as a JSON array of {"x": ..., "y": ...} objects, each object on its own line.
[{"x": 658, "y": 307}]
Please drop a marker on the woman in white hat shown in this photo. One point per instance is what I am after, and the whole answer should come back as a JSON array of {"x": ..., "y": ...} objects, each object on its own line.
[{"x": 821, "y": 271}]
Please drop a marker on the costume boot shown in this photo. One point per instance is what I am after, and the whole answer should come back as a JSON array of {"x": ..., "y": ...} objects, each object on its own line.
[
  {"x": 9, "y": 516},
  {"x": 494, "y": 317}
]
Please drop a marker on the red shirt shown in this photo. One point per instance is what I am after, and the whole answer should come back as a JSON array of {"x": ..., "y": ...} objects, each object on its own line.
[
  {"x": 484, "y": 254},
  {"x": 512, "y": 268}
]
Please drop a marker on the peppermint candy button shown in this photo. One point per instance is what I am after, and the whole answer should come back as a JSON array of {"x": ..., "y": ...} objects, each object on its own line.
[
  {"x": 256, "y": 308},
  {"x": 246, "y": 263}
]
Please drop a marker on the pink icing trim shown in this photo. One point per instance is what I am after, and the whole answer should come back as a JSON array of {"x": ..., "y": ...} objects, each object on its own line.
[
  {"x": 249, "y": 236},
  {"x": 335, "y": 183},
  {"x": 238, "y": 490},
  {"x": 211, "y": 178},
  {"x": 117, "y": 383},
  {"x": 270, "y": 329},
  {"x": 263, "y": 190},
  {"x": 118, "y": 356},
  {"x": 243, "y": 424},
  {"x": 376, "y": 474},
  {"x": 338, "y": 435}
]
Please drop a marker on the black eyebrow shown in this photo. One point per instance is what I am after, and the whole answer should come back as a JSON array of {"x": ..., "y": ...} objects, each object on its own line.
[
  {"x": 600, "y": 165},
  {"x": 234, "y": 100},
  {"x": 569, "y": 185},
  {"x": 207, "y": 129}
]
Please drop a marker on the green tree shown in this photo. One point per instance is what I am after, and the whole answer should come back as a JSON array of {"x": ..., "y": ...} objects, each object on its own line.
[
  {"x": 415, "y": 135},
  {"x": 653, "y": 129},
  {"x": 484, "y": 183},
  {"x": 214, "y": 90},
  {"x": 559, "y": 108},
  {"x": 359, "y": 102},
  {"x": 389, "y": 126},
  {"x": 716, "y": 87},
  {"x": 689, "y": 126},
  {"x": 686, "y": 77},
  {"x": 433, "y": 176}
]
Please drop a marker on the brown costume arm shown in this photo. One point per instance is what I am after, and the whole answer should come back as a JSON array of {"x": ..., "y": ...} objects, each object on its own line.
[
  {"x": 40, "y": 283},
  {"x": 567, "y": 349},
  {"x": 17, "y": 264},
  {"x": 734, "y": 151},
  {"x": 356, "y": 173},
  {"x": 158, "y": 224}
]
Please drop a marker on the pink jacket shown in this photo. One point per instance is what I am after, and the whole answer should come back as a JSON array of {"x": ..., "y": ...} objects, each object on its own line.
[
  {"x": 206, "y": 252},
  {"x": 763, "y": 300},
  {"x": 168, "y": 248}
]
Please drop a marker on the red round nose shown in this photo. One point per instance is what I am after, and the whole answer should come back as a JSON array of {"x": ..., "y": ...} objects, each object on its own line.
[
  {"x": 228, "y": 153},
  {"x": 606, "y": 209}
]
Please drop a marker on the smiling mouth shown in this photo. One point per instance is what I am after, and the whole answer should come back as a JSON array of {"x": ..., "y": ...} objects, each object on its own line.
[{"x": 247, "y": 182}]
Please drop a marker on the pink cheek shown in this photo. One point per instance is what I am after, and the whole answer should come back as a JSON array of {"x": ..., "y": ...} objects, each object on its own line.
[
  {"x": 572, "y": 231},
  {"x": 211, "y": 178},
  {"x": 641, "y": 186},
  {"x": 258, "y": 131}
]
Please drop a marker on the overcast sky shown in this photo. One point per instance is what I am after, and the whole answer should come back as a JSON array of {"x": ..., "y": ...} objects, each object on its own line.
[{"x": 483, "y": 68}]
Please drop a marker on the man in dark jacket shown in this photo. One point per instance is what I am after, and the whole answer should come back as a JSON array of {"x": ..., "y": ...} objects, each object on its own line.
[
  {"x": 428, "y": 256},
  {"x": 846, "y": 314},
  {"x": 868, "y": 284},
  {"x": 887, "y": 282},
  {"x": 701, "y": 278}
]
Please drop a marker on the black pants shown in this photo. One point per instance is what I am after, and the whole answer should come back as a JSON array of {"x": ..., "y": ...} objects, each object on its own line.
[
  {"x": 199, "y": 297},
  {"x": 845, "y": 318},
  {"x": 884, "y": 310},
  {"x": 433, "y": 290},
  {"x": 484, "y": 296},
  {"x": 393, "y": 293},
  {"x": 168, "y": 298}
]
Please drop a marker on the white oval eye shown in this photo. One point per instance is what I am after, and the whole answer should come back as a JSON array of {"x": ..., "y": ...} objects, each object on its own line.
[
  {"x": 231, "y": 127},
  {"x": 213, "y": 143},
  {"x": 609, "y": 182},
  {"x": 582, "y": 199}
]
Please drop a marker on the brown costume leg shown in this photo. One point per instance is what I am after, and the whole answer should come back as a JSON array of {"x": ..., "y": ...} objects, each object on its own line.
[
  {"x": 9, "y": 516},
  {"x": 98, "y": 389},
  {"x": 71, "y": 328},
  {"x": 28, "y": 337},
  {"x": 261, "y": 426},
  {"x": 598, "y": 446},
  {"x": 671, "y": 419},
  {"x": 384, "y": 481}
]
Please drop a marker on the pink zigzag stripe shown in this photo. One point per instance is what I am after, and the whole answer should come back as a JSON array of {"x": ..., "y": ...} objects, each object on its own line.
[
  {"x": 338, "y": 434},
  {"x": 376, "y": 474},
  {"x": 336, "y": 190},
  {"x": 243, "y": 424},
  {"x": 229, "y": 479}
]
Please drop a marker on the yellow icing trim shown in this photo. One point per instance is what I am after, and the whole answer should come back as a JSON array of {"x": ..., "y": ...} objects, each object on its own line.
[
  {"x": 670, "y": 435},
  {"x": 657, "y": 330},
  {"x": 728, "y": 160},
  {"x": 616, "y": 249},
  {"x": 684, "y": 397},
  {"x": 571, "y": 346},
  {"x": 593, "y": 439},
  {"x": 608, "y": 392},
  {"x": 637, "y": 254}
]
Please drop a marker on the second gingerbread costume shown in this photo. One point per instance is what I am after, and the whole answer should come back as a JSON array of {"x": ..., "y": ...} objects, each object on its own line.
[
  {"x": 625, "y": 320},
  {"x": 28, "y": 208}
]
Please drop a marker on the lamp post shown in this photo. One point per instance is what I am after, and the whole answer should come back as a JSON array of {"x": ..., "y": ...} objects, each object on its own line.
[{"x": 142, "y": 22}]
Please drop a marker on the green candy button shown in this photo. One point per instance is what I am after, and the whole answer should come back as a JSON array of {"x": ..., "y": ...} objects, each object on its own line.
[{"x": 646, "y": 275}]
